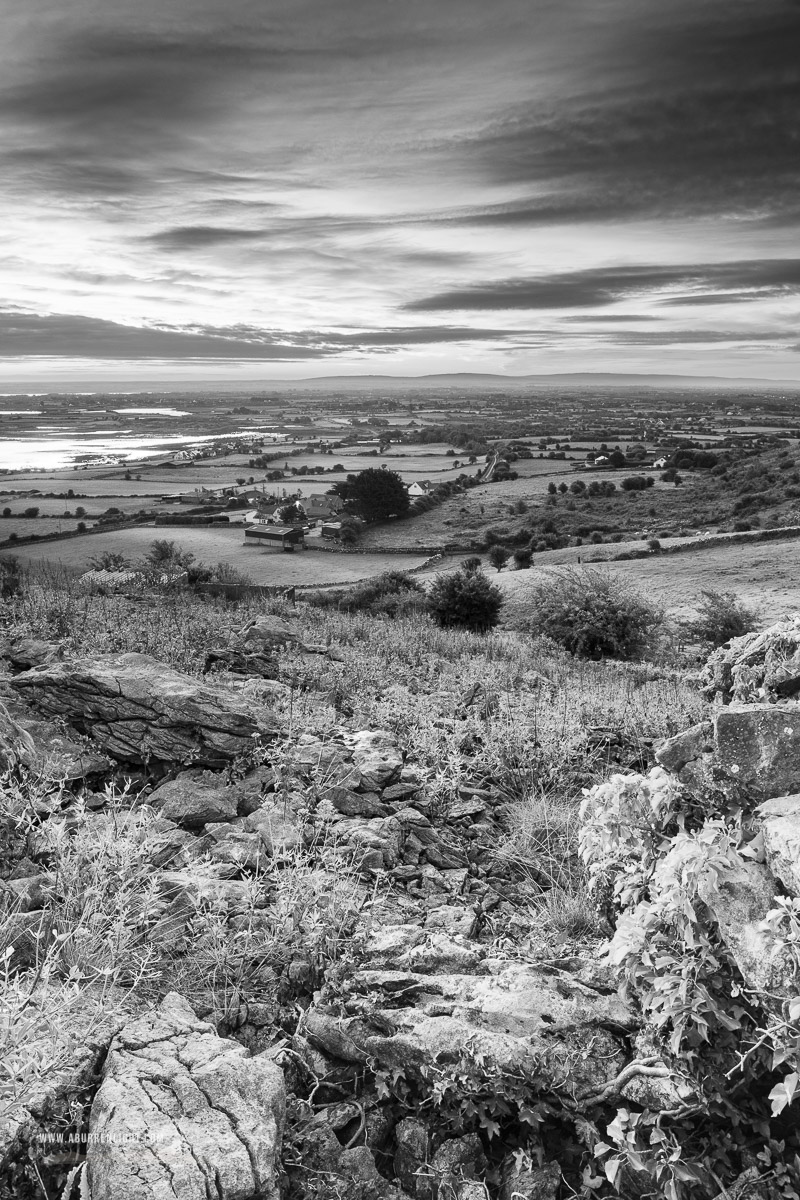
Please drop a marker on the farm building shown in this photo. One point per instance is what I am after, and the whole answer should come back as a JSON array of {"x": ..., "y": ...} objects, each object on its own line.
[
  {"x": 321, "y": 506},
  {"x": 275, "y": 537},
  {"x": 331, "y": 529},
  {"x": 421, "y": 487}
]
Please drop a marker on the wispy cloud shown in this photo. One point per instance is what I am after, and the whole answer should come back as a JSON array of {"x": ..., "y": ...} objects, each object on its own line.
[
  {"x": 597, "y": 287},
  {"x": 294, "y": 179}
]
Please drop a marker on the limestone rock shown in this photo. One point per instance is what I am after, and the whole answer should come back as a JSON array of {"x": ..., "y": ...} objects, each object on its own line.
[
  {"x": 24, "y": 653},
  {"x": 267, "y": 633},
  {"x": 183, "y": 1113},
  {"x": 138, "y": 709},
  {"x": 762, "y": 665},
  {"x": 377, "y": 757},
  {"x": 739, "y": 899},
  {"x": 758, "y": 748},
  {"x": 529, "y": 1183},
  {"x": 195, "y": 798},
  {"x": 780, "y": 824},
  {"x": 518, "y": 1021},
  {"x": 749, "y": 754}
]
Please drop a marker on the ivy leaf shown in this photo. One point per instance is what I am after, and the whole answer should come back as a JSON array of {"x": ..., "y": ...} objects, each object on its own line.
[
  {"x": 612, "y": 1168},
  {"x": 783, "y": 1093}
]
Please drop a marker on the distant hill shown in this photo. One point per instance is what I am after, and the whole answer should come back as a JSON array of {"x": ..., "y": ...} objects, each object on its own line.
[
  {"x": 355, "y": 383},
  {"x": 468, "y": 379}
]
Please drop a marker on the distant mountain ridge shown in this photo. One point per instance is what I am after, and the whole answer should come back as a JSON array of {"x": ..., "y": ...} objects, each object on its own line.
[
  {"x": 456, "y": 379},
  {"x": 582, "y": 378}
]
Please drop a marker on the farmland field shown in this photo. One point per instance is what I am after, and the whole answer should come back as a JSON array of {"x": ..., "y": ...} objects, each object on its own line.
[{"x": 222, "y": 544}]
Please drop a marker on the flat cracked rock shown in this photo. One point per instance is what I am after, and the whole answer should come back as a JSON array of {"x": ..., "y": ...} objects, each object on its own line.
[
  {"x": 184, "y": 1113},
  {"x": 137, "y": 709}
]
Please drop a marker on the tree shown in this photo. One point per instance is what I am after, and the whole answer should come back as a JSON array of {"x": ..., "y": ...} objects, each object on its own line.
[
  {"x": 523, "y": 559},
  {"x": 374, "y": 494},
  {"x": 33, "y": 511},
  {"x": 465, "y": 599},
  {"x": 290, "y": 512},
  {"x": 552, "y": 488},
  {"x": 498, "y": 557},
  {"x": 722, "y": 616}
]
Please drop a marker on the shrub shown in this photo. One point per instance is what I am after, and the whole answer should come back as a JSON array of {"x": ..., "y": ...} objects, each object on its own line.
[
  {"x": 634, "y": 483},
  {"x": 10, "y": 577},
  {"x": 594, "y": 613},
  {"x": 655, "y": 545},
  {"x": 473, "y": 563},
  {"x": 465, "y": 599},
  {"x": 33, "y": 511},
  {"x": 522, "y": 559},
  {"x": 722, "y": 616},
  {"x": 394, "y": 593}
]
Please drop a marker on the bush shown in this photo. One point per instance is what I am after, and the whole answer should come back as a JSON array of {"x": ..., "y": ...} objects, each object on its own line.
[
  {"x": 465, "y": 599},
  {"x": 498, "y": 557},
  {"x": 722, "y": 616},
  {"x": 394, "y": 593},
  {"x": 593, "y": 612},
  {"x": 473, "y": 563},
  {"x": 654, "y": 545},
  {"x": 634, "y": 483},
  {"x": 522, "y": 559}
]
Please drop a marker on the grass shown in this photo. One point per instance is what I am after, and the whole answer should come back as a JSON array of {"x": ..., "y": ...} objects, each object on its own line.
[{"x": 111, "y": 944}]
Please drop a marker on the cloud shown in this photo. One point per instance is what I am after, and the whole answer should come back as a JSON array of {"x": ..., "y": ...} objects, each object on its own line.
[
  {"x": 600, "y": 286},
  {"x": 25, "y": 334},
  {"x": 695, "y": 112},
  {"x": 199, "y": 237}
]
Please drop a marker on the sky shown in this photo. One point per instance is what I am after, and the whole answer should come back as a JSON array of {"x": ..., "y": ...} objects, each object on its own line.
[{"x": 260, "y": 189}]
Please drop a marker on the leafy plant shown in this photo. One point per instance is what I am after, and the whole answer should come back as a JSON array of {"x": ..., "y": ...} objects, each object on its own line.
[{"x": 465, "y": 599}]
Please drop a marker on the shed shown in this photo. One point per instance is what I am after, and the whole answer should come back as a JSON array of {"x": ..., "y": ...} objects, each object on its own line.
[{"x": 276, "y": 537}]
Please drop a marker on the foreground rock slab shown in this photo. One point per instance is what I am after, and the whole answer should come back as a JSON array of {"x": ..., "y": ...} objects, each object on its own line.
[
  {"x": 138, "y": 709},
  {"x": 183, "y": 1113}
]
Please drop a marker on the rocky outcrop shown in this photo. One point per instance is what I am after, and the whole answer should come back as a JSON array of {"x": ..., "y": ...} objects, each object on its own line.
[
  {"x": 757, "y": 667},
  {"x": 139, "y": 710},
  {"x": 182, "y": 1112},
  {"x": 749, "y": 753},
  {"x": 779, "y": 821}
]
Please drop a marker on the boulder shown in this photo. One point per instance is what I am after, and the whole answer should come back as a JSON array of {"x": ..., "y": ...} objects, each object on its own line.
[
  {"x": 749, "y": 753},
  {"x": 377, "y": 757},
  {"x": 519, "y": 1021},
  {"x": 529, "y": 1183},
  {"x": 184, "y": 1113},
  {"x": 756, "y": 666},
  {"x": 739, "y": 899},
  {"x": 780, "y": 824},
  {"x": 138, "y": 709},
  {"x": 195, "y": 798},
  {"x": 267, "y": 633},
  {"x": 24, "y": 653},
  {"x": 757, "y": 749}
]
